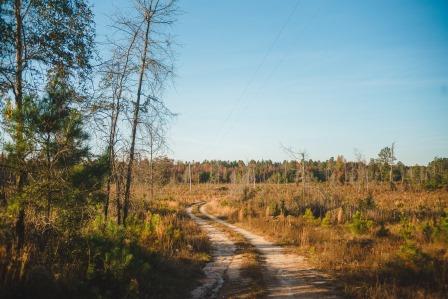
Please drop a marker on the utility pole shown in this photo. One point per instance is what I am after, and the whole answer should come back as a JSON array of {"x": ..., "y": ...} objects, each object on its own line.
[
  {"x": 303, "y": 173},
  {"x": 254, "y": 176},
  {"x": 286, "y": 175},
  {"x": 219, "y": 170},
  {"x": 189, "y": 173},
  {"x": 392, "y": 160}
]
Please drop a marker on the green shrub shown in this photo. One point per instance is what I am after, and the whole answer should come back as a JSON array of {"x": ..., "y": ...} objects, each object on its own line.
[
  {"x": 441, "y": 229},
  {"x": 407, "y": 229},
  {"x": 121, "y": 259},
  {"x": 414, "y": 259},
  {"x": 427, "y": 231},
  {"x": 367, "y": 203},
  {"x": 358, "y": 225},
  {"x": 326, "y": 221},
  {"x": 309, "y": 217}
]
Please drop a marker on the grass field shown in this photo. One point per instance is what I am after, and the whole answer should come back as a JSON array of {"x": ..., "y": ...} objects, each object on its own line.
[{"x": 378, "y": 243}]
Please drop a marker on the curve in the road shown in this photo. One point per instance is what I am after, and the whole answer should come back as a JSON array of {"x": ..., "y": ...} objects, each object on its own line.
[{"x": 287, "y": 275}]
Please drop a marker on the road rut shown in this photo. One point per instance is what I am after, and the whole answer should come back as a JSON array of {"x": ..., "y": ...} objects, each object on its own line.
[{"x": 222, "y": 263}]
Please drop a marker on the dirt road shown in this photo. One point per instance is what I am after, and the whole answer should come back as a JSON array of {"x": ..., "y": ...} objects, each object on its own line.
[
  {"x": 286, "y": 274},
  {"x": 223, "y": 250}
]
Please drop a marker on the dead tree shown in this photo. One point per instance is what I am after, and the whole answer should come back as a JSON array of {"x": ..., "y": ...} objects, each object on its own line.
[
  {"x": 113, "y": 83},
  {"x": 298, "y": 156},
  {"x": 156, "y": 120},
  {"x": 152, "y": 63},
  {"x": 361, "y": 169}
]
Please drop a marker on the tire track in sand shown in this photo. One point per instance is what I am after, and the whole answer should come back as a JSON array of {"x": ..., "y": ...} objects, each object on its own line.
[{"x": 222, "y": 263}]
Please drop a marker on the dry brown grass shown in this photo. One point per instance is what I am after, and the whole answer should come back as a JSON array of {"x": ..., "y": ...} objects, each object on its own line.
[{"x": 372, "y": 260}]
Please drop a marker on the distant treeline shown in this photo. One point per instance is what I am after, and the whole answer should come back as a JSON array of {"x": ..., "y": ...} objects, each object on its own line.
[{"x": 337, "y": 171}]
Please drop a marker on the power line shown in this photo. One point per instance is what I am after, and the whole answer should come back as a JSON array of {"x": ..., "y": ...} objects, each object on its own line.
[
  {"x": 274, "y": 69},
  {"x": 255, "y": 73}
]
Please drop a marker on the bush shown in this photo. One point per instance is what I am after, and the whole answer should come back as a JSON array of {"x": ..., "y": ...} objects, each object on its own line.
[
  {"x": 427, "y": 231},
  {"x": 309, "y": 217},
  {"x": 367, "y": 203},
  {"x": 441, "y": 230},
  {"x": 407, "y": 229},
  {"x": 247, "y": 194},
  {"x": 274, "y": 209},
  {"x": 359, "y": 225},
  {"x": 383, "y": 231},
  {"x": 326, "y": 221}
]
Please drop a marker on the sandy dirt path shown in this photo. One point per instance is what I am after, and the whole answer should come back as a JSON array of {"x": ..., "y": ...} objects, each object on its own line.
[
  {"x": 286, "y": 275},
  {"x": 223, "y": 263}
]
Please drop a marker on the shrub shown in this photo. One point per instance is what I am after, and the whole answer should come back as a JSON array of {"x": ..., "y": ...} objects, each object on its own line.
[
  {"x": 274, "y": 209},
  {"x": 407, "y": 229},
  {"x": 309, "y": 217},
  {"x": 413, "y": 258},
  {"x": 326, "y": 221},
  {"x": 441, "y": 230},
  {"x": 367, "y": 203},
  {"x": 383, "y": 231},
  {"x": 427, "y": 231},
  {"x": 359, "y": 225},
  {"x": 247, "y": 194}
]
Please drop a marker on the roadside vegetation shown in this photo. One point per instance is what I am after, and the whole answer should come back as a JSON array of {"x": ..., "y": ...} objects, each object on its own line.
[
  {"x": 160, "y": 253},
  {"x": 380, "y": 244},
  {"x": 72, "y": 222}
]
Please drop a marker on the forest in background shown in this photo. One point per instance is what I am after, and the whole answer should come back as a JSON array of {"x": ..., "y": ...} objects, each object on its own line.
[{"x": 335, "y": 171}]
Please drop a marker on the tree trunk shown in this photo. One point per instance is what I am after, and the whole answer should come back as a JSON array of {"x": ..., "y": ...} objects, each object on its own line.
[
  {"x": 117, "y": 196},
  {"x": 390, "y": 174},
  {"x": 48, "y": 178},
  {"x": 151, "y": 170},
  {"x": 303, "y": 176},
  {"x": 111, "y": 159},
  {"x": 113, "y": 127},
  {"x": 286, "y": 175},
  {"x": 135, "y": 123},
  {"x": 18, "y": 93},
  {"x": 18, "y": 90}
]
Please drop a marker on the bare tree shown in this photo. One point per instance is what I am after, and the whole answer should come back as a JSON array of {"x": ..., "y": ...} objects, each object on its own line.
[
  {"x": 113, "y": 84},
  {"x": 298, "y": 156},
  {"x": 150, "y": 66},
  {"x": 363, "y": 174},
  {"x": 155, "y": 126}
]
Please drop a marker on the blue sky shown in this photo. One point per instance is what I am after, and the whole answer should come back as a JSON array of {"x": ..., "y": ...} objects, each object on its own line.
[{"x": 324, "y": 76}]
